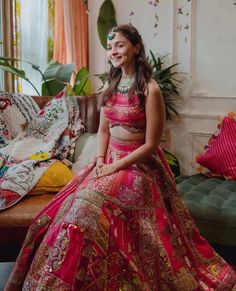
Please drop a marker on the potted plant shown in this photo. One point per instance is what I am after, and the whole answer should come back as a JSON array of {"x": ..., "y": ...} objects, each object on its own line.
[
  {"x": 166, "y": 79},
  {"x": 56, "y": 77}
]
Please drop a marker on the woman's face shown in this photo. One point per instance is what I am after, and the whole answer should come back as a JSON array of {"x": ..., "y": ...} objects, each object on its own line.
[{"x": 121, "y": 51}]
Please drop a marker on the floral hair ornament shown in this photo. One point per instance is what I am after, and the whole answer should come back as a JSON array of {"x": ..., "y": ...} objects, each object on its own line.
[{"x": 112, "y": 34}]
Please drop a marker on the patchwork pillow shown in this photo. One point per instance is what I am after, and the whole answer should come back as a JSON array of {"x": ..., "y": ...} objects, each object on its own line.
[
  {"x": 53, "y": 180},
  {"x": 220, "y": 153},
  {"x": 5, "y": 136},
  {"x": 16, "y": 110}
]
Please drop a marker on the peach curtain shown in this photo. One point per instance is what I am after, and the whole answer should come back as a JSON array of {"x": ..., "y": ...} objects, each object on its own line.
[{"x": 71, "y": 33}]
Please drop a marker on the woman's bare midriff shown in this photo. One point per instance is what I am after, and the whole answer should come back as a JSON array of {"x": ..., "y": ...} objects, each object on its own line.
[{"x": 122, "y": 133}]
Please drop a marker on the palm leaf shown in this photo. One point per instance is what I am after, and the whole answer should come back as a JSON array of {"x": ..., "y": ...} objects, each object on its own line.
[{"x": 165, "y": 77}]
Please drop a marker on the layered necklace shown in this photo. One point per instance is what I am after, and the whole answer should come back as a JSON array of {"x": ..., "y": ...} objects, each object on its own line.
[{"x": 126, "y": 83}]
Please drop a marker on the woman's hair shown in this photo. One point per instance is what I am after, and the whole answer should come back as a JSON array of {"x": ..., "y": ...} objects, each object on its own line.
[{"x": 143, "y": 71}]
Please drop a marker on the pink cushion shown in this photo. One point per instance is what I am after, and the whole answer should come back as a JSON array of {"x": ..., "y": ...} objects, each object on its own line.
[{"x": 220, "y": 154}]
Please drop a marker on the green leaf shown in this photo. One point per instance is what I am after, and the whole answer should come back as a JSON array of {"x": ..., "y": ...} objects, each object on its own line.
[
  {"x": 60, "y": 72},
  {"x": 164, "y": 76},
  {"x": 106, "y": 20},
  {"x": 34, "y": 66},
  {"x": 82, "y": 84},
  {"x": 55, "y": 87},
  {"x": 13, "y": 70}
]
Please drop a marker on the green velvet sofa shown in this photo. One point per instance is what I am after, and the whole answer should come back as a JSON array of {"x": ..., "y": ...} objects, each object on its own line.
[{"x": 212, "y": 204}]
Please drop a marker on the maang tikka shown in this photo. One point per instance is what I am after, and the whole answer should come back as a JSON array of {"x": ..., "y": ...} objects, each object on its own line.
[{"x": 112, "y": 34}]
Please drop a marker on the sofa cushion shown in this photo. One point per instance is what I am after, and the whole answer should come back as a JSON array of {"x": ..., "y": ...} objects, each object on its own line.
[
  {"x": 212, "y": 203},
  {"x": 16, "y": 111},
  {"x": 89, "y": 110},
  {"x": 53, "y": 180},
  {"x": 220, "y": 153}
]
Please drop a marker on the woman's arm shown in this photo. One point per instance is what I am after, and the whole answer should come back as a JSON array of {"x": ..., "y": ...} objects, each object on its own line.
[
  {"x": 103, "y": 136},
  {"x": 155, "y": 116}
]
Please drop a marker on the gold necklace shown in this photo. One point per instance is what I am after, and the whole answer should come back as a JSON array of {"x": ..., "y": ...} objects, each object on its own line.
[{"x": 126, "y": 83}]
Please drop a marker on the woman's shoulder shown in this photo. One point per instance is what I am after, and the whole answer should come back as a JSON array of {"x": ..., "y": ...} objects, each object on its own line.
[{"x": 153, "y": 88}]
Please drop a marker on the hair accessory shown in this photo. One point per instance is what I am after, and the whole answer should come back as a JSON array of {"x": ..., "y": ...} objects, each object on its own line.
[{"x": 112, "y": 34}]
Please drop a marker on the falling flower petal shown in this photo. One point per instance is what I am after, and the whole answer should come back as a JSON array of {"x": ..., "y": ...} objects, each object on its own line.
[
  {"x": 186, "y": 27},
  {"x": 131, "y": 13},
  {"x": 179, "y": 27},
  {"x": 179, "y": 10},
  {"x": 150, "y": 2}
]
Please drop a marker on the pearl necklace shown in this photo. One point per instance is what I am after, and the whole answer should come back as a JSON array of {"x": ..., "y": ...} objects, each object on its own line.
[{"x": 125, "y": 84}]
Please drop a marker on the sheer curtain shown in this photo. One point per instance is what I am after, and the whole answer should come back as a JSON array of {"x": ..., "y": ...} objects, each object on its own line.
[
  {"x": 1, "y": 44},
  {"x": 34, "y": 41},
  {"x": 71, "y": 33}
]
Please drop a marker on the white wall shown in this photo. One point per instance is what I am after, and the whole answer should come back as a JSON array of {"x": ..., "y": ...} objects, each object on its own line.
[
  {"x": 201, "y": 37},
  {"x": 159, "y": 39}
]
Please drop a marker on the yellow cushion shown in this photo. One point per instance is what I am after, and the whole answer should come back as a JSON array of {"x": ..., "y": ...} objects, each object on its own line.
[{"x": 53, "y": 180}]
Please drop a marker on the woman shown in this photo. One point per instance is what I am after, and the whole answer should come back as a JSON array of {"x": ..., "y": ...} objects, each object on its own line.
[{"x": 121, "y": 224}]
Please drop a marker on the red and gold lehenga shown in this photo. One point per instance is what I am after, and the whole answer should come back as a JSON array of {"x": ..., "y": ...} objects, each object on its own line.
[{"x": 127, "y": 231}]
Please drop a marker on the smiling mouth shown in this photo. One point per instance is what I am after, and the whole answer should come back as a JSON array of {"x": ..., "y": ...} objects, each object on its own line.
[{"x": 116, "y": 58}]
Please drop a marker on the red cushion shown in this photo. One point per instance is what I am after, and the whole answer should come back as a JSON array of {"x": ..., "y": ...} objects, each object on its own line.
[{"x": 220, "y": 154}]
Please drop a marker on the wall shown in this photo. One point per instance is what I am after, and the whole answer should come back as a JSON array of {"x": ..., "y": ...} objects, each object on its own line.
[
  {"x": 200, "y": 35},
  {"x": 159, "y": 40}
]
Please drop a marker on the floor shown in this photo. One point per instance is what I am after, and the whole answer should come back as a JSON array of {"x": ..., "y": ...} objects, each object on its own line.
[{"x": 5, "y": 269}]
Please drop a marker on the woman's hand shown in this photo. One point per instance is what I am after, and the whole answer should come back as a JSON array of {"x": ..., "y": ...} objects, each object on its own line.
[
  {"x": 106, "y": 170},
  {"x": 99, "y": 164}
]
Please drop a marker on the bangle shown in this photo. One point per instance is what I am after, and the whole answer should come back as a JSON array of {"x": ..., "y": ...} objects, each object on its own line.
[{"x": 100, "y": 156}]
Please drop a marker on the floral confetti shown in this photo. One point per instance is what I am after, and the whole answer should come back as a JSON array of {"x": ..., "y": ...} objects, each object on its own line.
[
  {"x": 131, "y": 13},
  {"x": 179, "y": 27},
  {"x": 180, "y": 10},
  {"x": 186, "y": 27}
]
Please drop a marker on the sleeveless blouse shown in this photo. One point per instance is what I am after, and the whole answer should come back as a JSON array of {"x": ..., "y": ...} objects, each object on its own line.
[{"x": 121, "y": 111}]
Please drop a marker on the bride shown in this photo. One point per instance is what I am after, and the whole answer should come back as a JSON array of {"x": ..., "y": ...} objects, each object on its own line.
[{"x": 120, "y": 224}]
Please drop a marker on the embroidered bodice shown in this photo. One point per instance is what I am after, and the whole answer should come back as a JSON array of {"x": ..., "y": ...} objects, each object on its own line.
[{"x": 120, "y": 111}]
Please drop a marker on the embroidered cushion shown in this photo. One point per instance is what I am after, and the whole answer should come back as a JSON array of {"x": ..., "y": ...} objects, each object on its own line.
[
  {"x": 53, "y": 180},
  {"x": 5, "y": 136},
  {"x": 220, "y": 153},
  {"x": 16, "y": 110}
]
